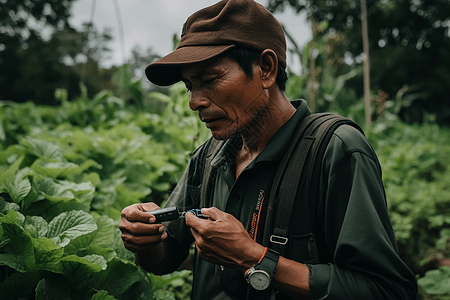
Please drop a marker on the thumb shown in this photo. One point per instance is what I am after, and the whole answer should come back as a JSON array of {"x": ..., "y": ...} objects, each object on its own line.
[
  {"x": 212, "y": 212},
  {"x": 192, "y": 220}
]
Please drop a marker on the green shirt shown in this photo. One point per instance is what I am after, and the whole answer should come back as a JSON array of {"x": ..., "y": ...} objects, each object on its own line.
[{"x": 352, "y": 215}]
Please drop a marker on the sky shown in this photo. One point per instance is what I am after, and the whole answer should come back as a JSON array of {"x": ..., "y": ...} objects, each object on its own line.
[{"x": 152, "y": 23}]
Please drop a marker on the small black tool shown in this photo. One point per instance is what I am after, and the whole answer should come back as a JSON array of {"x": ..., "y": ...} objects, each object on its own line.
[
  {"x": 165, "y": 214},
  {"x": 172, "y": 213}
]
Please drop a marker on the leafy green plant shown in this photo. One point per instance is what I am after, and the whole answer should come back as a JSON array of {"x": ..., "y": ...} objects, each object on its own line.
[
  {"x": 72, "y": 256},
  {"x": 415, "y": 160},
  {"x": 437, "y": 282},
  {"x": 172, "y": 286},
  {"x": 66, "y": 173},
  {"x": 46, "y": 228}
]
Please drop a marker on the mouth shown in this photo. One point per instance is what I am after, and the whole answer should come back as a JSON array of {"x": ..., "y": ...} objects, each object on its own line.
[
  {"x": 210, "y": 117},
  {"x": 210, "y": 122}
]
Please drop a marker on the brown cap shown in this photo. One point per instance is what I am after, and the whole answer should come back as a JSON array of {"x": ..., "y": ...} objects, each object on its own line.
[{"x": 214, "y": 30}]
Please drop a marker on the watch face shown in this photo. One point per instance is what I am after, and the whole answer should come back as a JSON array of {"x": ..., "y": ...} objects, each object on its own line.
[{"x": 259, "y": 280}]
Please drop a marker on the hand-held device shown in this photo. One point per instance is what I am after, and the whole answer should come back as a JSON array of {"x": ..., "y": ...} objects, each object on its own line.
[
  {"x": 172, "y": 213},
  {"x": 165, "y": 214}
]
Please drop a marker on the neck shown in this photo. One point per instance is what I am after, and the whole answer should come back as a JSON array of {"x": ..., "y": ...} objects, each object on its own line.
[{"x": 268, "y": 120}]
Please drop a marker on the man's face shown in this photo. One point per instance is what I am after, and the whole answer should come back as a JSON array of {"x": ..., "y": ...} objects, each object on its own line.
[{"x": 227, "y": 100}]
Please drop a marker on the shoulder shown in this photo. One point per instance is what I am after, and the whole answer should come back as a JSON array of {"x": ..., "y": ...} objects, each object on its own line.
[
  {"x": 203, "y": 155},
  {"x": 348, "y": 144},
  {"x": 347, "y": 140}
]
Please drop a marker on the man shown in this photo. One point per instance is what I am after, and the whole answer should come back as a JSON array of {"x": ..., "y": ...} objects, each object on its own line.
[{"x": 232, "y": 57}]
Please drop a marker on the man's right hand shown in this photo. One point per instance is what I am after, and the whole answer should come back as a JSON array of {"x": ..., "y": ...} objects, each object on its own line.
[{"x": 139, "y": 231}]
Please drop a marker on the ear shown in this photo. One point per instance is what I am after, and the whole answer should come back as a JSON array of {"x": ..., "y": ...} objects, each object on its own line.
[{"x": 268, "y": 62}]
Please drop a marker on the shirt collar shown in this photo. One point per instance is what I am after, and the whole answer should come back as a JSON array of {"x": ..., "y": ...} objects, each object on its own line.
[{"x": 279, "y": 143}]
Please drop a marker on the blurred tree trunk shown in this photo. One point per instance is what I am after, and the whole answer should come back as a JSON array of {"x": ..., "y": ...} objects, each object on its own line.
[
  {"x": 365, "y": 37},
  {"x": 313, "y": 83}
]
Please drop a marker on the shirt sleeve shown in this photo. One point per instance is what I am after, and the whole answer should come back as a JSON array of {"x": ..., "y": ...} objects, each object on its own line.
[
  {"x": 359, "y": 239},
  {"x": 176, "y": 246},
  {"x": 185, "y": 196}
]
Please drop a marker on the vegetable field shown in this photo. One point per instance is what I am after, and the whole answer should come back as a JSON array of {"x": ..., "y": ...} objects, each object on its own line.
[{"x": 66, "y": 172}]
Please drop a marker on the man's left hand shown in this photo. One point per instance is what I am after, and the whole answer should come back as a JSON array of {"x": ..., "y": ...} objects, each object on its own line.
[{"x": 222, "y": 239}]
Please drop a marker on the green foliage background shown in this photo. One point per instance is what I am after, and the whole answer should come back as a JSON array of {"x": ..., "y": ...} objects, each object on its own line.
[{"x": 68, "y": 171}]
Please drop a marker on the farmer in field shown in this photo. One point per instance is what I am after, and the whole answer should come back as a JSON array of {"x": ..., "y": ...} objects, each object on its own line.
[{"x": 232, "y": 59}]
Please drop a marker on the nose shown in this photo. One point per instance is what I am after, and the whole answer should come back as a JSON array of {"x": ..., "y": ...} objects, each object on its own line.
[{"x": 197, "y": 100}]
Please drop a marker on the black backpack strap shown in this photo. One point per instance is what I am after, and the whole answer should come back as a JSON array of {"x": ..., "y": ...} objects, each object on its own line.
[
  {"x": 273, "y": 202},
  {"x": 306, "y": 148},
  {"x": 310, "y": 191},
  {"x": 208, "y": 177}
]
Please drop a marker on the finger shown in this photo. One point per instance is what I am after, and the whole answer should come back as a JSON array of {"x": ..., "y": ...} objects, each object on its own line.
[
  {"x": 192, "y": 220},
  {"x": 142, "y": 243},
  {"x": 212, "y": 212},
  {"x": 194, "y": 233},
  {"x": 138, "y": 212},
  {"x": 197, "y": 238},
  {"x": 143, "y": 240},
  {"x": 196, "y": 223},
  {"x": 140, "y": 228},
  {"x": 203, "y": 250}
]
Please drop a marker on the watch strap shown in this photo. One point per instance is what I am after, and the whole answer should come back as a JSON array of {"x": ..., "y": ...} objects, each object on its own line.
[{"x": 269, "y": 262}]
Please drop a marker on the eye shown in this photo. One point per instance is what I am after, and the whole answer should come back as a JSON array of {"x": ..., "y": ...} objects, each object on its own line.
[{"x": 208, "y": 80}]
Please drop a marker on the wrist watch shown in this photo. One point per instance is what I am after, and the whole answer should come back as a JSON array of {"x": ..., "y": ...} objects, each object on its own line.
[{"x": 261, "y": 274}]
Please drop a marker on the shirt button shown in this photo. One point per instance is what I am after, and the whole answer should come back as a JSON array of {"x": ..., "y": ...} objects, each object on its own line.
[
  {"x": 236, "y": 197},
  {"x": 223, "y": 167}
]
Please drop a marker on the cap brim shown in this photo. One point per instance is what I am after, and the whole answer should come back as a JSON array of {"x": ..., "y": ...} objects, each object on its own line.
[{"x": 167, "y": 70}]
